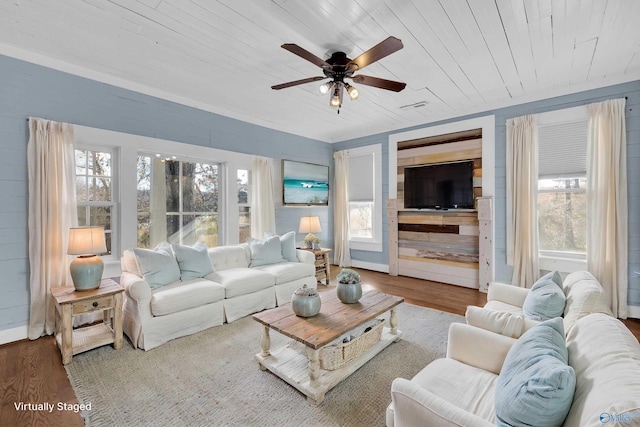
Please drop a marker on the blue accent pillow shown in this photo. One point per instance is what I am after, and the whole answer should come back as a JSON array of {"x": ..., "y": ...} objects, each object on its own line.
[
  {"x": 536, "y": 385},
  {"x": 546, "y": 299},
  {"x": 288, "y": 245},
  {"x": 158, "y": 267},
  {"x": 265, "y": 251},
  {"x": 193, "y": 260}
]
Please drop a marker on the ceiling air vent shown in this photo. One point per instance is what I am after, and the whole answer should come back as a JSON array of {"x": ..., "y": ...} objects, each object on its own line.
[{"x": 415, "y": 105}]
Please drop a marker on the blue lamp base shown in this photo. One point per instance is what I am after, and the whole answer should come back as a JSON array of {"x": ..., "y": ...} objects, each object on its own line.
[{"x": 86, "y": 272}]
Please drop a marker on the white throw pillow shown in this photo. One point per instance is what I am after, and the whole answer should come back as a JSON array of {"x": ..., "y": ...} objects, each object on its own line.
[
  {"x": 158, "y": 267},
  {"x": 193, "y": 260},
  {"x": 265, "y": 251}
]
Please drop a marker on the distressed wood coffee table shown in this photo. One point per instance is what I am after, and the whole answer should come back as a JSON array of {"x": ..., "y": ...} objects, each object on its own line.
[{"x": 334, "y": 320}]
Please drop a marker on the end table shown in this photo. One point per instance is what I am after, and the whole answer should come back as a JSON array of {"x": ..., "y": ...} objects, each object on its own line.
[
  {"x": 323, "y": 267},
  {"x": 69, "y": 303}
]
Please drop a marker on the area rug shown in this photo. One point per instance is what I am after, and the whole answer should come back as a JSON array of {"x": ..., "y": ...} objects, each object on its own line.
[{"x": 211, "y": 379}]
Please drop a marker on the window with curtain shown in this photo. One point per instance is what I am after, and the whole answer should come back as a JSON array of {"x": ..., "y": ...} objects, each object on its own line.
[
  {"x": 365, "y": 198},
  {"x": 178, "y": 201},
  {"x": 244, "y": 207},
  {"x": 95, "y": 192},
  {"x": 562, "y": 184}
]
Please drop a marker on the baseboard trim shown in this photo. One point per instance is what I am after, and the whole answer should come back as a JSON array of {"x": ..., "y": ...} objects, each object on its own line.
[
  {"x": 633, "y": 311},
  {"x": 382, "y": 268},
  {"x": 14, "y": 334}
]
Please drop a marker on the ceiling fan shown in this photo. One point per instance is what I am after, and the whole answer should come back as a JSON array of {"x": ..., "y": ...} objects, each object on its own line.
[{"x": 339, "y": 66}]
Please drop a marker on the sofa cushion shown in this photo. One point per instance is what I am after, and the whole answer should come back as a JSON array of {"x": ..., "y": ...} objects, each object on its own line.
[
  {"x": 242, "y": 281},
  {"x": 158, "y": 267},
  {"x": 606, "y": 358},
  {"x": 265, "y": 251},
  {"x": 194, "y": 261},
  {"x": 232, "y": 256},
  {"x": 536, "y": 385},
  {"x": 288, "y": 245},
  {"x": 288, "y": 271},
  {"x": 182, "y": 296},
  {"x": 585, "y": 295},
  {"x": 463, "y": 385},
  {"x": 546, "y": 299}
]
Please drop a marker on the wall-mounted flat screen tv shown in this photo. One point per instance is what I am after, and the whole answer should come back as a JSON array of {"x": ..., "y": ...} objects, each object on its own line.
[
  {"x": 439, "y": 186},
  {"x": 305, "y": 184}
]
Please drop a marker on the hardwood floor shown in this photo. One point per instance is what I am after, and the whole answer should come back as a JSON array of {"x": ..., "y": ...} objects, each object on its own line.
[{"x": 32, "y": 371}]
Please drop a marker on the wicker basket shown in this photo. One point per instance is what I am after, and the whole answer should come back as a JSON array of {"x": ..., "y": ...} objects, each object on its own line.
[{"x": 336, "y": 356}]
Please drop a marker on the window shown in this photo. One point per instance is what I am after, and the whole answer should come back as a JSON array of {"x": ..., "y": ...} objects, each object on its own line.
[
  {"x": 95, "y": 192},
  {"x": 562, "y": 184},
  {"x": 365, "y": 198},
  {"x": 177, "y": 201},
  {"x": 244, "y": 219}
]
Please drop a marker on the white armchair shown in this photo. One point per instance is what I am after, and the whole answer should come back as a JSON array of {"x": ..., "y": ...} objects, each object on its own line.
[{"x": 454, "y": 391}]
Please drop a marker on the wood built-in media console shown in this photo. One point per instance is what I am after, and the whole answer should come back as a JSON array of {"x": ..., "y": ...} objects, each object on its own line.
[
  {"x": 435, "y": 245},
  {"x": 449, "y": 246}
]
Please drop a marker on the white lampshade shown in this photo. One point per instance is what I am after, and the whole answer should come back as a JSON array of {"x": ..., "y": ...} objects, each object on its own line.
[
  {"x": 86, "y": 241},
  {"x": 309, "y": 224}
]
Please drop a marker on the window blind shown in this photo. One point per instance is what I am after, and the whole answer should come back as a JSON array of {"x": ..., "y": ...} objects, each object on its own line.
[
  {"x": 562, "y": 149},
  {"x": 361, "y": 178}
]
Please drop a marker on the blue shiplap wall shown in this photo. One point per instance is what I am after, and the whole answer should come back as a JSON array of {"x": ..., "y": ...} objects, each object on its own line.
[
  {"x": 503, "y": 272},
  {"x": 31, "y": 90}
]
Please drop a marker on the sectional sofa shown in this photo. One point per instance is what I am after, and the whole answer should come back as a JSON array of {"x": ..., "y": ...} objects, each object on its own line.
[
  {"x": 174, "y": 290},
  {"x": 582, "y": 369}
]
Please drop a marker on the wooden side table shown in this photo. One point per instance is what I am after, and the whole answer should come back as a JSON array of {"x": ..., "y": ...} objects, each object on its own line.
[
  {"x": 69, "y": 303},
  {"x": 323, "y": 267}
]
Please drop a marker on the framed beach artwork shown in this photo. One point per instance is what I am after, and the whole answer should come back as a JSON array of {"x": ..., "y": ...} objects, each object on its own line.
[{"x": 305, "y": 184}]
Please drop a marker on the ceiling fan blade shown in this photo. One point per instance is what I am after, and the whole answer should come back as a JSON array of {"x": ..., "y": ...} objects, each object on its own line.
[
  {"x": 305, "y": 54},
  {"x": 297, "y": 82},
  {"x": 379, "y": 83},
  {"x": 379, "y": 51}
]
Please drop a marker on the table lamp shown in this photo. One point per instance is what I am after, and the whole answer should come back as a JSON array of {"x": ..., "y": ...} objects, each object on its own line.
[
  {"x": 309, "y": 224},
  {"x": 86, "y": 269}
]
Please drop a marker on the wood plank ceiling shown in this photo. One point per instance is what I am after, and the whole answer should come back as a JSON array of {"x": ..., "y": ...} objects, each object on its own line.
[{"x": 459, "y": 56}]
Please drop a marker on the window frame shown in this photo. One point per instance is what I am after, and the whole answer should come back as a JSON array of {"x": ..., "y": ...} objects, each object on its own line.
[
  {"x": 115, "y": 196},
  {"x": 564, "y": 261},
  {"x": 374, "y": 243},
  {"x": 222, "y": 210}
]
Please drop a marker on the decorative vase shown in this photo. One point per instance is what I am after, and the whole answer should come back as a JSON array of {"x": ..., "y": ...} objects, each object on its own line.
[
  {"x": 305, "y": 302},
  {"x": 349, "y": 293}
]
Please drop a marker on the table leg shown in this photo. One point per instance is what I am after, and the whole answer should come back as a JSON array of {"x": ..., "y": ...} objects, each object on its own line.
[
  {"x": 67, "y": 334},
  {"x": 314, "y": 375},
  {"x": 117, "y": 322},
  {"x": 265, "y": 342},
  {"x": 393, "y": 321}
]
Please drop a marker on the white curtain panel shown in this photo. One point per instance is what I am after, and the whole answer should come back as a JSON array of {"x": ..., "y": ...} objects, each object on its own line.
[
  {"x": 158, "y": 229},
  {"x": 52, "y": 211},
  {"x": 263, "y": 211},
  {"x": 522, "y": 189},
  {"x": 342, "y": 254},
  {"x": 607, "y": 201}
]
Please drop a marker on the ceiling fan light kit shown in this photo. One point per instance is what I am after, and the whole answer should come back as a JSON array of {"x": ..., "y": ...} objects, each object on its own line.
[{"x": 339, "y": 66}]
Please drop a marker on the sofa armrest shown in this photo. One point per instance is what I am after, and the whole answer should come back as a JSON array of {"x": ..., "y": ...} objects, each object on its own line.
[
  {"x": 417, "y": 406},
  {"x": 478, "y": 347},
  {"x": 508, "y": 294},
  {"x": 135, "y": 288},
  {"x": 306, "y": 256}
]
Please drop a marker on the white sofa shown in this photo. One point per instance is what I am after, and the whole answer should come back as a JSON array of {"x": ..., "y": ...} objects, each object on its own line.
[
  {"x": 233, "y": 290},
  {"x": 503, "y": 311},
  {"x": 459, "y": 390}
]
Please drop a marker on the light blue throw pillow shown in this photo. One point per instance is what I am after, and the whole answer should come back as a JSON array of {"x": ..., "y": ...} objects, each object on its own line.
[
  {"x": 194, "y": 261},
  {"x": 546, "y": 299},
  {"x": 158, "y": 267},
  {"x": 288, "y": 245},
  {"x": 536, "y": 385},
  {"x": 265, "y": 251}
]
